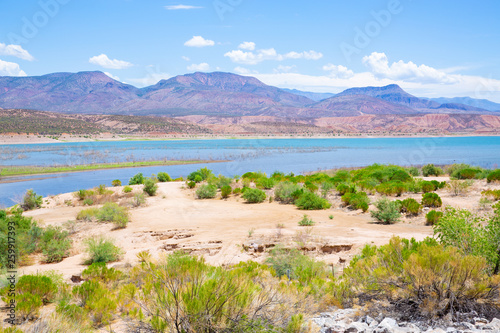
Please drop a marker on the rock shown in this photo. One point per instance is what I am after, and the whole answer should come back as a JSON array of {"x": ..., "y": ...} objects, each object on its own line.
[
  {"x": 388, "y": 325},
  {"x": 494, "y": 325},
  {"x": 76, "y": 279},
  {"x": 357, "y": 327},
  {"x": 435, "y": 330},
  {"x": 480, "y": 321}
]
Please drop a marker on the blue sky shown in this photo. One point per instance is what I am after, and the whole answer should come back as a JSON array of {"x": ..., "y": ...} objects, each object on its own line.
[{"x": 431, "y": 48}]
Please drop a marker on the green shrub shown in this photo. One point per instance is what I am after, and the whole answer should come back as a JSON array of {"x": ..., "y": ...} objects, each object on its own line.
[
  {"x": 222, "y": 181},
  {"x": 266, "y": 183},
  {"x": 100, "y": 272},
  {"x": 432, "y": 217},
  {"x": 459, "y": 187},
  {"x": 311, "y": 201},
  {"x": 414, "y": 171},
  {"x": 138, "y": 200},
  {"x": 55, "y": 244},
  {"x": 127, "y": 189},
  {"x": 116, "y": 182},
  {"x": 254, "y": 195},
  {"x": 112, "y": 212},
  {"x": 387, "y": 211},
  {"x": 101, "y": 189},
  {"x": 150, "y": 186},
  {"x": 226, "y": 191},
  {"x": 284, "y": 190},
  {"x": 356, "y": 200},
  {"x": 206, "y": 191},
  {"x": 87, "y": 214},
  {"x": 468, "y": 173},
  {"x": 493, "y": 194},
  {"x": 494, "y": 176},
  {"x": 163, "y": 177},
  {"x": 410, "y": 206},
  {"x": 191, "y": 184},
  {"x": 200, "y": 175},
  {"x": 31, "y": 200},
  {"x": 326, "y": 187},
  {"x": 137, "y": 179},
  {"x": 306, "y": 221},
  {"x": 344, "y": 188},
  {"x": 88, "y": 202},
  {"x": 392, "y": 188},
  {"x": 237, "y": 191},
  {"x": 431, "y": 200},
  {"x": 431, "y": 170},
  {"x": 83, "y": 194},
  {"x": 427, "y": 186},
  {"x": 100, "y": 249}
]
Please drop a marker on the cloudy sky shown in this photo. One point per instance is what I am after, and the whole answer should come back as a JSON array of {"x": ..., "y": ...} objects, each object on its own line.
[{"x": 431, "y": 48}]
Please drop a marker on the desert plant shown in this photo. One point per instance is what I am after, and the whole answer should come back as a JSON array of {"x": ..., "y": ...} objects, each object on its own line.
[
  {"x": 31, "y": 200},
  {"x": 494, "y": 176},
  {"x": 116, "y": 182},
  {"x": 458, "y": 187},
  {"x": 101, "y": 249},
  {"x": 306, "y": 221},
  {"x": 345, "y": 188},
  {"x": 137, "y": 179},
  {"x": 226, "y": 191},
  {"x": 163, "y": 177},
  {"x": 410, "y": 206},
  {"x": 127, "y": 189},
  {"x": 54, "y": 244},
  {"x": 112, "y": 212},
  {"x": 150, "y": 186},
  {"x": 88, "y": 202},
  {"x": 284, "y": 190},
  {"x": 138, "y": 200},
  {"x": 431, "y": 170},
  {"x": 310, "y": 201},
  {"x": 432, "y": 217},
  {"x": 191, "y": 184},
  {"x": 206, "y": 191},
  {"x": 87, "y": 214},
  {"x": 254, "y": 195},
  {"x": 266, "y": 183},
  {"x": 357, "y": 200},
  {"x": 431, "y": 200},
  {"x": 414, "y": 171},
  {"x": 387, "y": 211},
  {"x": 493, "y": 194}
]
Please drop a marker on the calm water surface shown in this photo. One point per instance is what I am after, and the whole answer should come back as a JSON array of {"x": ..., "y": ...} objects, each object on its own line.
[{"x": 268, "y": 155}]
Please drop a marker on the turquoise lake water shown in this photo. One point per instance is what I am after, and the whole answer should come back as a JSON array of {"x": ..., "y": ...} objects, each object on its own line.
[{"x": 267, "y": 155}]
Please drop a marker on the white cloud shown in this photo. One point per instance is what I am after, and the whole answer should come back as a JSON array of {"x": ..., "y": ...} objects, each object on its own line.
[
  {"x": 181, "y": 7},
  {"x": 249, "y": 46},
  {"x": 198, "y": 41},
  {"x": 150, "y": 79},
  {"x": 112, "y": 76},
  {"x": 103, "y": 61},
  {"x": 378, "y": 63},
  {"x": 15, "y": 51},
  {"x": 253, "y": 58},
  {"x": 284, "y": 69},
  {"x": 203, "y": 67},
  {"x": 10, "y": 69},
  {"x": 339, "y": 71},
  {"x": 244, "y": 71},
  {"x": 186, "y": 58}
]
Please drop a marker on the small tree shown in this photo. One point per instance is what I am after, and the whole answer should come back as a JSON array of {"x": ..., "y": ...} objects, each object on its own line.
[
  {"x": 163, "y": 177},
  {"x": 31, "y": 200},
  {"x": 226, "y": 191},
  {"x": 116, "y": 182},
  {"x": 136, "y": 179},
  {"x": 150, "y": 186},
  {"x": 387, "y": 211},
  {"x": 431, "y": 170}
]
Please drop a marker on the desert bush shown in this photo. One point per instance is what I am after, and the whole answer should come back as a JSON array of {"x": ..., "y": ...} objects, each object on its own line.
[
  {"x": 150, "y": 186},
  {"x": 254, "y": 195},
  {"x": 163, "y": 177},
  {"x": 31, "y": 200},
  {"x": 55, "y": 244},
  {"x": 410, "y": 206},
  {"x": 310, "y": 201},
  {"x": 295, "y": 265},
  {"x": 237, "y": 191},
  {"x": 427, "y": 279},
  {"x": 387, "y": 211},
  {"x": 357, "y": 200},
  {"x": 137, "y": 179},
  {"x": 222, "y": 181},
  {"x": 427, "y": 186},
  {"x": 493, "y": 194},
  {"x": 100, "y": 272},
  {"x": 431, "y": 170},
  {"x": 138, "y": 200},
  {"x": 200, "y": 175},
  {"x": 414, "y": 171},
  {"x": 306, "y": 221},
  {"x": 191, "y": 184},
  {"x": 494, "y": 176},
  {"x": 88, "y": 202},
  {"x": 345, "y": 188},
  {"x": 206, "y": 191},
  {"x": 266, "y": 183},
  {"x": 101, "y": 189},
  {"x": 98, "y": 302},
  {"x": 101, "y": 249},
  {"x": 431, "y": 200},
  {"x": 127, "y": 189},
  {"x": 116, "y": 182},
  {"x": 326, "y": 187},
  {"x": 226, "y": 191},
  {"x": 112, "y": 212},
  {"x": 283, "y": 192},
  {"x": 392, "y": 188},
  {"x": 458, "y": 187},
  {"x": 432, "y": 217},
  {"x": 87, "y": 214},
  {"x": 83, "y": 194}
]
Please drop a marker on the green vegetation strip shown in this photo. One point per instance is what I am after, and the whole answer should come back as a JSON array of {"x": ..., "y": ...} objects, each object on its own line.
[{"x": 33, "y": 170}]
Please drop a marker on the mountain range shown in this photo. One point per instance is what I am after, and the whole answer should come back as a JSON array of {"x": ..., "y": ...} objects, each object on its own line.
[{"x": 214, "y": 94}]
